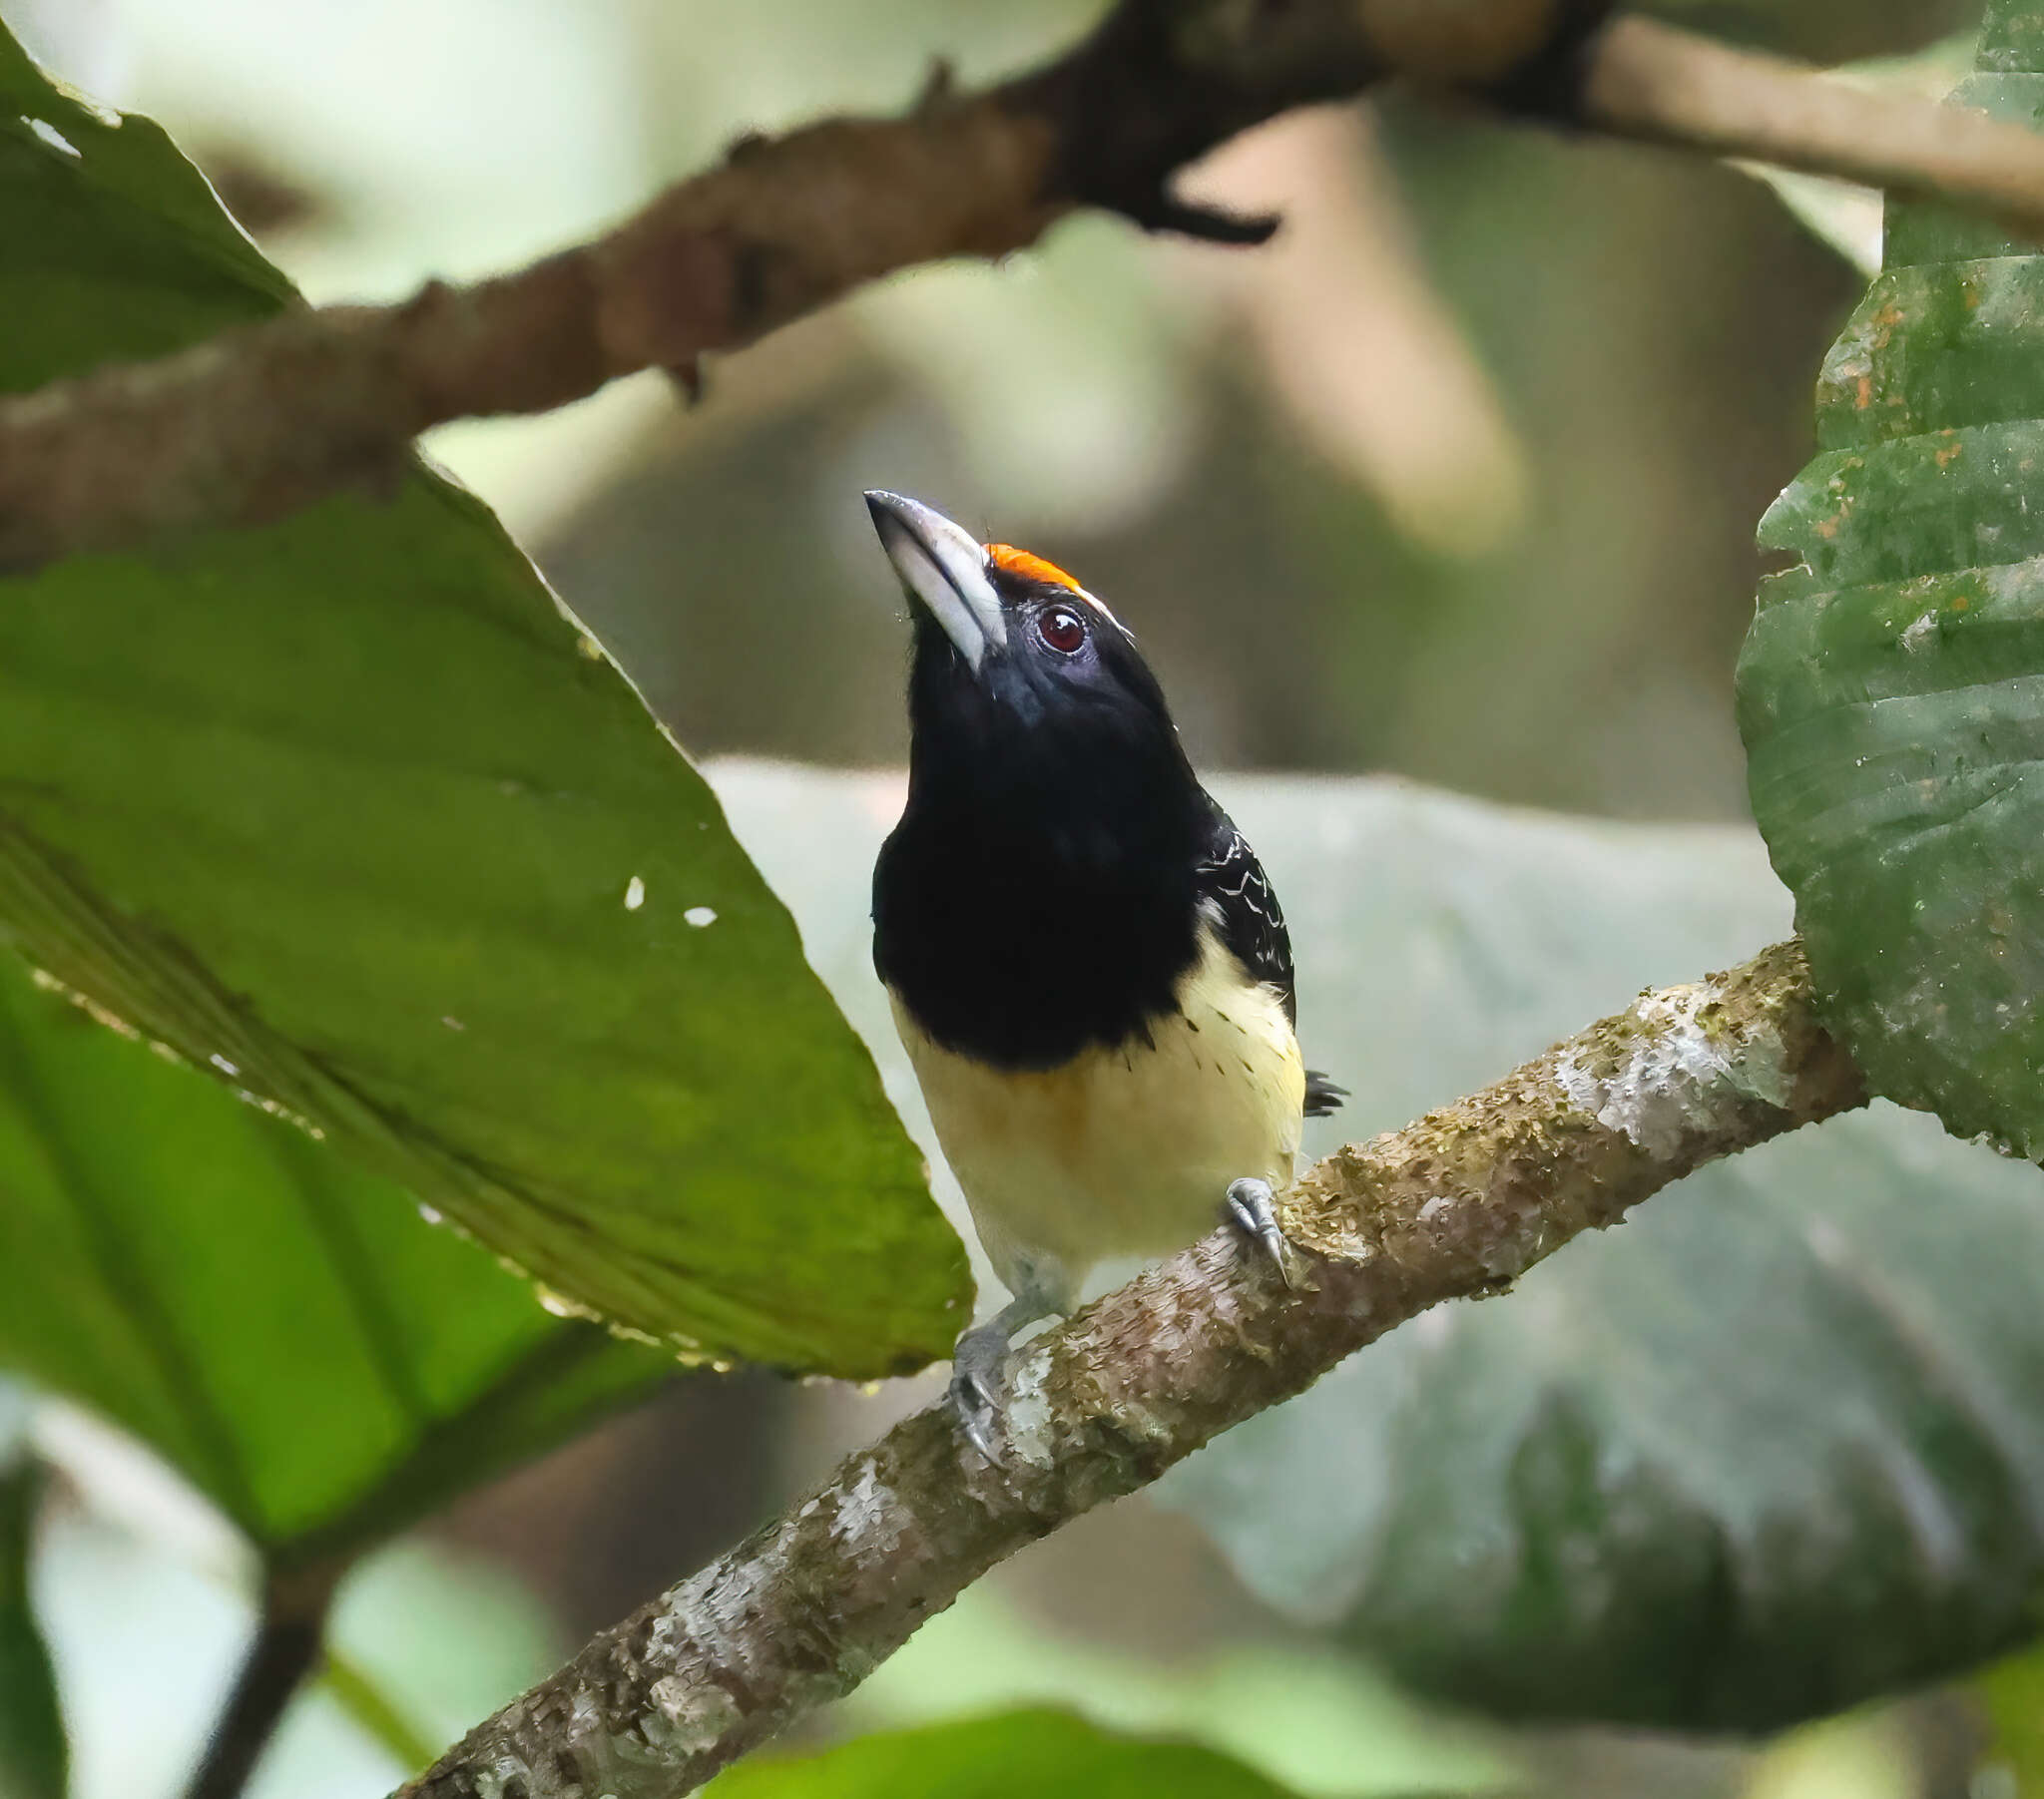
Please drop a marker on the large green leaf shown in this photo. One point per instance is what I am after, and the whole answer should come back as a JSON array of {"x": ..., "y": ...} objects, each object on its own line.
[
  {"x": 1891, "y": 691},
  {"x": 34, "y": 1756},
  {"x": 274, "y": 1321},
  {"x": 349, "y": 810},
  {"x": 993, "y": 1758},
  {"x": 1775, "y": 1444},
  {"x": 1304, "y": 1712}
]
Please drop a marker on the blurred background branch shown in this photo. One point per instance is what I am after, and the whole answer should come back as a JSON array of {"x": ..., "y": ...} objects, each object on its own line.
[
  {"x": 261, "y": 420},
  {"x": 1655, "y": 82},
  {"x": 1459, "y": 1203}
]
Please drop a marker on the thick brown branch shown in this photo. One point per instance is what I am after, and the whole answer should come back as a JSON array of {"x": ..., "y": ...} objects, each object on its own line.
[
  {"x": 1457, "y": 1204},
  {"x": 261, "y": 420},
  {"x": 264, "y": 419}
]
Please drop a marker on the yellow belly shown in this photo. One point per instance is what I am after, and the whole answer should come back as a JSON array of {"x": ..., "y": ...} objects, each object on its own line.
[{"x": 1125, "y": 1151}]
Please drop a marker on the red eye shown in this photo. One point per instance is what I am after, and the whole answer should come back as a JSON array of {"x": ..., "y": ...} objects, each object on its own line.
[{"x": 1061, "y": 629}]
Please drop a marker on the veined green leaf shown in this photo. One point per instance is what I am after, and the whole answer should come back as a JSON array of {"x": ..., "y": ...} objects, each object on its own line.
[
  {"x": 34, "y": 1755},
  {"x": 1891, "y": 691},
  {"x": 991, "y": 1759},
  {"x": 274, "y": 1321},
  {"x": 345, "y": 809}
]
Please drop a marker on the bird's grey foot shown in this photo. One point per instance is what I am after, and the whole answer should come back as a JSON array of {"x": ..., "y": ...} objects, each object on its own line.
[
  {"x": 1252, "y": 1210},
  {"x": 977, "y": 1387},
  {"x": 979, "y": 1362}
]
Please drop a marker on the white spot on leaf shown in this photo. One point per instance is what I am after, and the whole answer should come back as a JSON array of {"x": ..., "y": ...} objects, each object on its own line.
[
  {"x": 561, "y": 1306},
  {"x": 699, "y": 916},
  {"x": 635, "y": 894},
  {"x": 51, "y": 136}
]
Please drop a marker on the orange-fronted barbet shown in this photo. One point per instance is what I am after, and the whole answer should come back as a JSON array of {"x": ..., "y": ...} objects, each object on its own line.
[{"x": 1087, "y": 963}]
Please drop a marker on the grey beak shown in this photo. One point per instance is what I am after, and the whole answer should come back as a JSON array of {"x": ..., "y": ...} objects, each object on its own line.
[{"x": 943, "y": 568}]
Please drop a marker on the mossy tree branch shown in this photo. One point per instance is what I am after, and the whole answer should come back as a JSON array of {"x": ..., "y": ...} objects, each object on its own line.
[
  {"x": 266, "y": 418},
  {"x": 1458, "y": 1204}
]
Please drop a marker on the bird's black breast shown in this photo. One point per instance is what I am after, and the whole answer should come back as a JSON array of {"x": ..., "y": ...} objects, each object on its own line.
[
  {"x": 1021, "y": 942},
  {"x": 1023, "y": 948}
]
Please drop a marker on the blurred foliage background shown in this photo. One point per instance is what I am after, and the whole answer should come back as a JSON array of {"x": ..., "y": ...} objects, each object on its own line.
[{"x": 1456, "y": 481}]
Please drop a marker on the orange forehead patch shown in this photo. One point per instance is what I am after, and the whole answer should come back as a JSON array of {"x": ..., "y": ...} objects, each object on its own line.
[{"x": 1029, "y": 568}]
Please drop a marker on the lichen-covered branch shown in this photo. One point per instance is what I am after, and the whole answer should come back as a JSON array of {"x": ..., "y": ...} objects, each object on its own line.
[
  {"x": 264, "y": 419},
  {"x": 1458, "y": 1204}
]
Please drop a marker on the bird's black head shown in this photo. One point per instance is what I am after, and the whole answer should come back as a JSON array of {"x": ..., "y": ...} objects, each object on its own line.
[
  {"x": 1021, "y": 678},
  {"x": 1038, "y": 893}
]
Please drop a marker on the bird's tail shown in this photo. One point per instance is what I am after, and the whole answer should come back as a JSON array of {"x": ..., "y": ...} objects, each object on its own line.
[{"x": 1323, "y": 1095}]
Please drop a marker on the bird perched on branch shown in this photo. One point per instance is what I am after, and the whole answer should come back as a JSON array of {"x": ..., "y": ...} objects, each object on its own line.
[{"x": 1087, "y": 966}]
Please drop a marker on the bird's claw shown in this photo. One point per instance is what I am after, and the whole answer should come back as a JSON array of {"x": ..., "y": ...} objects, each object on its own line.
[
  {"x": 975, "y": 1393},
  {"x": 1252, "y": 1210}
]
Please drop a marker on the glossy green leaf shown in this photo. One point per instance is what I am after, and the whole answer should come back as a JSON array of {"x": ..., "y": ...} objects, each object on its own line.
[
  {"x": 2012, "y": 35},
  {"x": 34, "y": 1755},
  {"x": 2011, "y": 1696},
  {"x": 1775, "y": 1446},
  {"x": 993, "y": 1758},
  {"x": 274, "y": 1322},
  {"x": 1309, "y": 1716},
  {"x": 1892, "y": 690},
  {"x": 347, "y": 809}
]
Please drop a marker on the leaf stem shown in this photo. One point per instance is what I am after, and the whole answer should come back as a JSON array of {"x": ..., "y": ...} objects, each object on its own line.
[
  {"x": 289, "y": 1635},
  {"x": 375, "y": 1714}
]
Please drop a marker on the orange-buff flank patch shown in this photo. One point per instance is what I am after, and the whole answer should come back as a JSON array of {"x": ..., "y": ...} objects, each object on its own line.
[{"x": 1028, "y": 567}]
